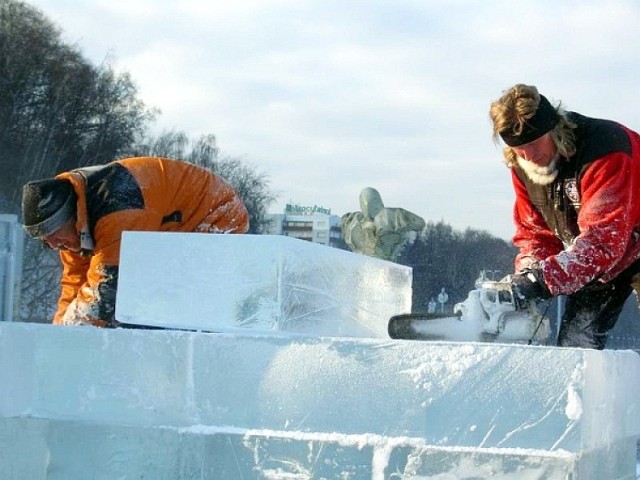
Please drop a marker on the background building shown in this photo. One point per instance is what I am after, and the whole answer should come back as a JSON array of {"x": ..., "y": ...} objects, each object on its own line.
[{"x": 314, "y": 224}]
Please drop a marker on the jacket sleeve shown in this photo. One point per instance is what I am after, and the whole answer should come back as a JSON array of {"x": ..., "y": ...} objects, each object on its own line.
[
  {"x": 610, "y": 198},
  {"x": 95, "y": 292},
  {"x": 532, "y": 235},
  {"x": 74, "y": 276}
]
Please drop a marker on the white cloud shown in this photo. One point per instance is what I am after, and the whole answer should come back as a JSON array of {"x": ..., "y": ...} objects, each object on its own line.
[{"x": 328, "y": 97}]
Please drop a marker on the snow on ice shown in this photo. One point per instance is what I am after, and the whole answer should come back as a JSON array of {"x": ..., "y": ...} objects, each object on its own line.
[{"x": 329, "y": 397}]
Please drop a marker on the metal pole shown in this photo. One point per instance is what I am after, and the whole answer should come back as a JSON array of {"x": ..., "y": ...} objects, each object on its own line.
[
  {"x": 9, "y": 259},
  {"x": 560, "y": 311}
]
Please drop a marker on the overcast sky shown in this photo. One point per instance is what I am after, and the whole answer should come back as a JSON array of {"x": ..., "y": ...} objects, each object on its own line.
[{"x": 330, "y": 96}]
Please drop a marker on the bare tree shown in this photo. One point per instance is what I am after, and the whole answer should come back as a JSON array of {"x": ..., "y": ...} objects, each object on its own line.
[
  {"x": 252, "y": 185},
  {"x": 445, "y": 258},
  {"x": 40, "y": 283},
  {"x": 57, "y": 112}
]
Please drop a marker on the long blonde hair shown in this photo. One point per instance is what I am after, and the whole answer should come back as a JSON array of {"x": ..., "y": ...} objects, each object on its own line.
[{"x": 517, "y": 105}]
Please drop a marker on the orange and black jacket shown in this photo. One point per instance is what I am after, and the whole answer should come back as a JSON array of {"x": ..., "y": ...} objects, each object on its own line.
[{"x": 137, "y": 194}]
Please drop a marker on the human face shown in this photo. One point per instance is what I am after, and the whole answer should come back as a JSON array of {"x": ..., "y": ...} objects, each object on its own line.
[
  {"x": 65, "y": 238},
  {"x": 541, "y": 151}
]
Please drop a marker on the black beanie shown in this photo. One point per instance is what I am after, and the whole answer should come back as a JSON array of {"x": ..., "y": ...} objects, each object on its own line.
[
  {"x": 47, "y": 205},
  {"x": 544, "y": 120}
]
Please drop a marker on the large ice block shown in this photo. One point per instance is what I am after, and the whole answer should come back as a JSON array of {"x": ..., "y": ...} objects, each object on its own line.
[
  {"x": 259, "y": 282},
  {"x": 210, "y": 406}
]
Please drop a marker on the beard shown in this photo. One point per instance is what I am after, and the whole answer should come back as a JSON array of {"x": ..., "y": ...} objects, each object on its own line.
[{"x": 538, "y": 174}]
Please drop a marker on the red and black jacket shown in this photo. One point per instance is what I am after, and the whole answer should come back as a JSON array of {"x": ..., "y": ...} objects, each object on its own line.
[{"x": 585, "y": 225}]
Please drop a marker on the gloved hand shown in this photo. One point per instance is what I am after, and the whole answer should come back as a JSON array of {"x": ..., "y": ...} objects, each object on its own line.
[{"x": 528, "y": 284}]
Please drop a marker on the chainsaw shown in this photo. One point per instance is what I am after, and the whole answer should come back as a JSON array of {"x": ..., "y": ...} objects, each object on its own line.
[{"x": 491, "y": 313}]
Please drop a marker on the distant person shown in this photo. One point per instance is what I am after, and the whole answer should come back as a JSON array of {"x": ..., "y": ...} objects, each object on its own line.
[
  {"x": 443, "y": 297},
  {"x": 577, "y": 210},
  {"x": 83, "y": 213},
  {"x": 431, "y": 308},
  {"x": 379, "y": 231}
]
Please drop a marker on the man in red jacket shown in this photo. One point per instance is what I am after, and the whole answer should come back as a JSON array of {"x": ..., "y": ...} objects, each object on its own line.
[
  {"x": 83, "y": 213},
  {"x": 576, "y": 213}
]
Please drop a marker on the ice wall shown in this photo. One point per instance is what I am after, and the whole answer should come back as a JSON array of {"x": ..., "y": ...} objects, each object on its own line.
[
  {"x": 166, "y": 405},
  {"x": 311, "y": 398},
  {"x": 258, "y": 282}
]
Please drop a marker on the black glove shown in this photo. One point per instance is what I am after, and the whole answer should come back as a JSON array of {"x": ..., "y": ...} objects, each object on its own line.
[{"x": 528, "y": 284}]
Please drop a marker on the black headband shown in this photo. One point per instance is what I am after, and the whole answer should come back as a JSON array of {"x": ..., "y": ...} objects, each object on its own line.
[{"x": 542, "y": 122}]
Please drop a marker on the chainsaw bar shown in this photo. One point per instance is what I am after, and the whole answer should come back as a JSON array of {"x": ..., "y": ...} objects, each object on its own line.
[{"x": 404, "y": 326}]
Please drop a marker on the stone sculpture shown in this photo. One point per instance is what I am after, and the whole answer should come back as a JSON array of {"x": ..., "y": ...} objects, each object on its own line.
[{"x": 379, "y": 231}]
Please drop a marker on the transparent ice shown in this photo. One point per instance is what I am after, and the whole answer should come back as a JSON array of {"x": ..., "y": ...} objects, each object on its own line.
[
  {"x": 82, "y": 402},
  {"x": 258, "y": 282}
]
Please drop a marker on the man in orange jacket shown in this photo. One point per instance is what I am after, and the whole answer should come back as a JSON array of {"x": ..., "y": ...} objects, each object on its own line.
[{"x": 83, "y": 213}]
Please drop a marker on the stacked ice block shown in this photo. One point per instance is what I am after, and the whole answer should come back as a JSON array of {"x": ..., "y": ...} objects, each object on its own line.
[
  {"x": 82, "y": 402},
  {"x": 260, "y": 282}
]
